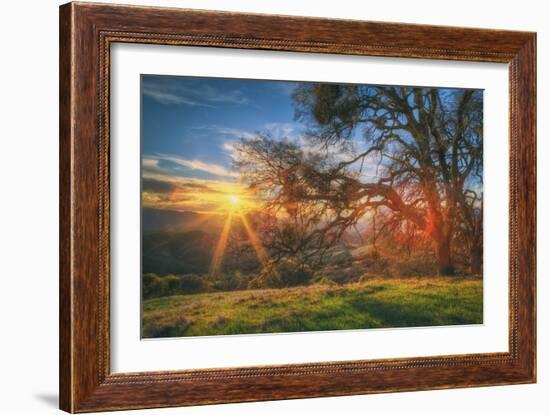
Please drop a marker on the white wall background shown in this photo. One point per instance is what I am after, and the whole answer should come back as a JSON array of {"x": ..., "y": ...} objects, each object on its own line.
[{"x": 29, "y": 193}]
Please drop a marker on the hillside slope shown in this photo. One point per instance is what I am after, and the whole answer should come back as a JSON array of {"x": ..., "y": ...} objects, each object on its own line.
[{"x": 376, "y": 303}]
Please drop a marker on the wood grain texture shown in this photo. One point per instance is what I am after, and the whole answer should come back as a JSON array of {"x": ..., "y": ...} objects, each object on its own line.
[
  {"x": 65, "y": 246},
  {"x": 86, "y": 33}
]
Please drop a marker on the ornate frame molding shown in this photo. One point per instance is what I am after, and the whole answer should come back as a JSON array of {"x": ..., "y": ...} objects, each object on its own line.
[{"x": 87, "y": 31}]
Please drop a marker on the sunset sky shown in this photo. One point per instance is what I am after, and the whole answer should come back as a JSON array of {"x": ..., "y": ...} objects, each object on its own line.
[{"x": 188, "y": 128}]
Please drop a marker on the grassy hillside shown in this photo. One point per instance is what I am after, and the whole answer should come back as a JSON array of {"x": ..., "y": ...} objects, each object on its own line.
[{"x": 375, "y": 303}]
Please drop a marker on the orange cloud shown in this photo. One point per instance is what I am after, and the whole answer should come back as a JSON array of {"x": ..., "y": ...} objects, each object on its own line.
[{"x": 199, "y": 195}]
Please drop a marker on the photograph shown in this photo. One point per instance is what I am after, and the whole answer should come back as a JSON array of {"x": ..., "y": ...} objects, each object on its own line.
[
  {"x": 271, "y": 206},
  {"x": 275, "y": 207}
]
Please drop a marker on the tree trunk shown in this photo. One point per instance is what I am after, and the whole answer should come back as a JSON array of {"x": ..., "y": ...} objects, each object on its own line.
[
  {"x": 443, "y": 255},
  {"x": 440, "y": 233},
  {"x": 476, "y": 260}
]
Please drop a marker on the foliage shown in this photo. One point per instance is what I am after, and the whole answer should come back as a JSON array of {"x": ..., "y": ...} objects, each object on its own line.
[
  {"x": 287, "y": 272},
  {"x": 151, "y": 286},
  {"x": 155, "y": 286},
  {"x": 414, "y": 267},
  {"x": 229, "y": 281},
  {"x": 291, "y": 272},
  {"x": 426, "y": 144}
]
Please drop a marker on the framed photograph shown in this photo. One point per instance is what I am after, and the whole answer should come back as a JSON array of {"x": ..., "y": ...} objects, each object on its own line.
[{"x": 260, "y": 207}]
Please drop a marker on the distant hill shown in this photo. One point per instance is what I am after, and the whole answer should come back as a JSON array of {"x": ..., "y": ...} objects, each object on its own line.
[
  {"x": 184, "y": 242},
  {"x": 175, "y": 242},
  {"x": 163, "y": 220},
  {"x": 177, "y": 253}
]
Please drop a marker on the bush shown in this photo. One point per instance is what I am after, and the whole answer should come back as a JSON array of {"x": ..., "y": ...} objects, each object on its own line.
[
  {"x": 154, "y": 286},
  {"x": 377, "y": 265},
  {"x": 266, "y": 279},
  {"x": 285, "y": 273},
  {"x": 342, "y": 259},
  {"x": 151, "y": 286},
  {"x": 170, "y": 284},
  {"x": 415, "y": 267},
  {"x": 191, "y": 284},
  {"x": 230, "y": 281},
  {"x": 292, "y": 273}
]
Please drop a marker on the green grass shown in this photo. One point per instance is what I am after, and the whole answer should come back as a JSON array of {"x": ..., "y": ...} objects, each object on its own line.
[{"x": 376, "y": 303}]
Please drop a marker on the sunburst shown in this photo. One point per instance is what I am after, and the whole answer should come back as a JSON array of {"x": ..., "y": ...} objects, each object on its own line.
[
  {"x": 236, "y": 206},
  {"x": 234, "y": 201}
]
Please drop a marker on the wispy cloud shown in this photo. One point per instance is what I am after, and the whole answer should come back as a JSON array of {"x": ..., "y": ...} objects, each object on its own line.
[
  {"x": 152, "y": 163},
  {"x": 236, "y": 133},
  {"x": 149, "y": 163},
  {"x": 283, "y": 130},
  {"x": 165, "y": 185},
  {"x": 166, "y": 97},
  {"x": 229, "y": 146},
  {"x": 235, "y": 96},
  {"x": 277, "y": 131},
  {"x": 165, "y": 91}
]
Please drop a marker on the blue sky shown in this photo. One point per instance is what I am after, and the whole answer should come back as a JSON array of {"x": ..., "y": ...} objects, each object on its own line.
[
  {"x": 186, "y": 119},
  {"x": 188, "y": 126}
]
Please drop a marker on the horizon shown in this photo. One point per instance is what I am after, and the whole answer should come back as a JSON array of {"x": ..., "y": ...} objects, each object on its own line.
[{"x": 189, "y": 128}]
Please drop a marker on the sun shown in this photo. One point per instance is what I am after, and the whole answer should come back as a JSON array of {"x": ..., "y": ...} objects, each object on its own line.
[
  {"x": 234, "y": 201},
  {"x": 236, "y": 207}
]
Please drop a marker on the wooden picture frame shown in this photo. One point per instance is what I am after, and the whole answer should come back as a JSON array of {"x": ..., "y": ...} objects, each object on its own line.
[{"x": 86, "y": 33}]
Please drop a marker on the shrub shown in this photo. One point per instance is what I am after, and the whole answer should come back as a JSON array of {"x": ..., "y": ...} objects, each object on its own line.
[
  {"x": 292, "y": 273},
  {"x": 151, "y": 285},
  {"x": 377, "y": 265},
  {"x": 415, "y": 267},
  {"x": 258, "y": 282},
  {"x": 170, "y": 284},
  {"x": 154, "y": 286},
  {"x": 230, "y": 281},
  {"x": 268, "y": 278},
  {"x": 191, "y": 284},
  {"x": 285, "y": 273},
  {"x": 341, "y": 259}
]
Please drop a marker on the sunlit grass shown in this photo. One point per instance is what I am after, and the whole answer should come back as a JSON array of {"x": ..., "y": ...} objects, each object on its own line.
[{"x": 376, "y": 303}]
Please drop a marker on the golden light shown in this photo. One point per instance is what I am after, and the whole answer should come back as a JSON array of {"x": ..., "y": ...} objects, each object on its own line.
[
  {"x": 261, "y": 254},
  {"x": 217, "y": 258},
  {"x": 234, "y": 200}
]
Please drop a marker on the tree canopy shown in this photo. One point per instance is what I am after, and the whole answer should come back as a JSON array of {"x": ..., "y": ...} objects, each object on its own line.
[{"x": 409, "y": 158}]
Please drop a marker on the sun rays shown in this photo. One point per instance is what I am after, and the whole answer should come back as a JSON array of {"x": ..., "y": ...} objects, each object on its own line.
[
  {"x": 236, "y": 207},
  {"x": 228, "y": 201},
  {"x": 261, "y": 254},
  {"x": 217, "y": 258}
]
